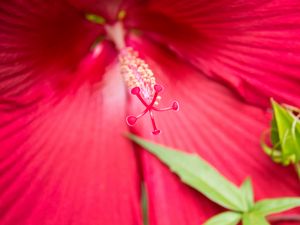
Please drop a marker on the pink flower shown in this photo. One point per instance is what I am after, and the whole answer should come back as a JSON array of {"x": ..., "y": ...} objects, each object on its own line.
[{"x": 63, "y": 104}]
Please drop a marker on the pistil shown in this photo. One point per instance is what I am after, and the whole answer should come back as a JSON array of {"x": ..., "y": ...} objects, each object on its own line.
[{"x": 140, "y": 79}]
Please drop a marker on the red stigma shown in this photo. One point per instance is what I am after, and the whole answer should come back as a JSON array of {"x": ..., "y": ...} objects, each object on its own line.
[{"x": 131, "y": 120}]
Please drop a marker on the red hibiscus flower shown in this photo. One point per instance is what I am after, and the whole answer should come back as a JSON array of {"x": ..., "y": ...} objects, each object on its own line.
[{"x": 63, "y": 104}]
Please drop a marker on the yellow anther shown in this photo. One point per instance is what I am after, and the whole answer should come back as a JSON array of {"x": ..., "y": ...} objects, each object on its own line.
[
  {"x": 122, "y": 14},
  {"x": 136, "y": 72}
]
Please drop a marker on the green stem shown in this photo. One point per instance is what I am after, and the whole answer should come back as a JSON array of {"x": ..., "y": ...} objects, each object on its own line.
[
  {"x": 294, "y": 218},
  {"x": 145, "y": 205},
  {"x": 297, "y": 168}
]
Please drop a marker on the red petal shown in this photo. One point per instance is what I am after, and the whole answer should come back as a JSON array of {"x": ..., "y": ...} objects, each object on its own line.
[
  {"x": 253, "y": 46},
  {"x": 41, "y": 41},
  {"x": 67, "y": 162},
  {"x": 214, "y": 123}
]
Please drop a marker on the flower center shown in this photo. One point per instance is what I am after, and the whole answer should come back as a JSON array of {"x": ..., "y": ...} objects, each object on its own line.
[
  {"x": 141, "y": 81},
  {"x": 138, "y": 77}
]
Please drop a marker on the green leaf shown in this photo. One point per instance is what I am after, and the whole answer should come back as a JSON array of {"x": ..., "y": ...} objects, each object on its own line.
[
  {"x": 274, "y": 130},
  {"x": 254, "y": 218},
  {"x": 95, "y": 18},
  {"x": 276, "y": 205},
  {"x": 198, "y": 174},
  {"x": 226, "y": 218},
  {"x": 247, "y": 191},
  {"x": 285, "y": 134}
]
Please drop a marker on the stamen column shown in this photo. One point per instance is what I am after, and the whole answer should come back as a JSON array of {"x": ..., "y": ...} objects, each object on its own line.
[{"x": 140, "y": 79}]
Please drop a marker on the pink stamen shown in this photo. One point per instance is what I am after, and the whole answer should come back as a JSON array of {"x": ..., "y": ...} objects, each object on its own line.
[
  {"x": 131, "y": 120},
  {"x": 155, "y": 130}
]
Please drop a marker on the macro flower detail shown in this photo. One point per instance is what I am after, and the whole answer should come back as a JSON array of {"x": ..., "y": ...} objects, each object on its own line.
[
  {"x": 141, "y": 81},
  {"x": 64, "y": 100}
]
